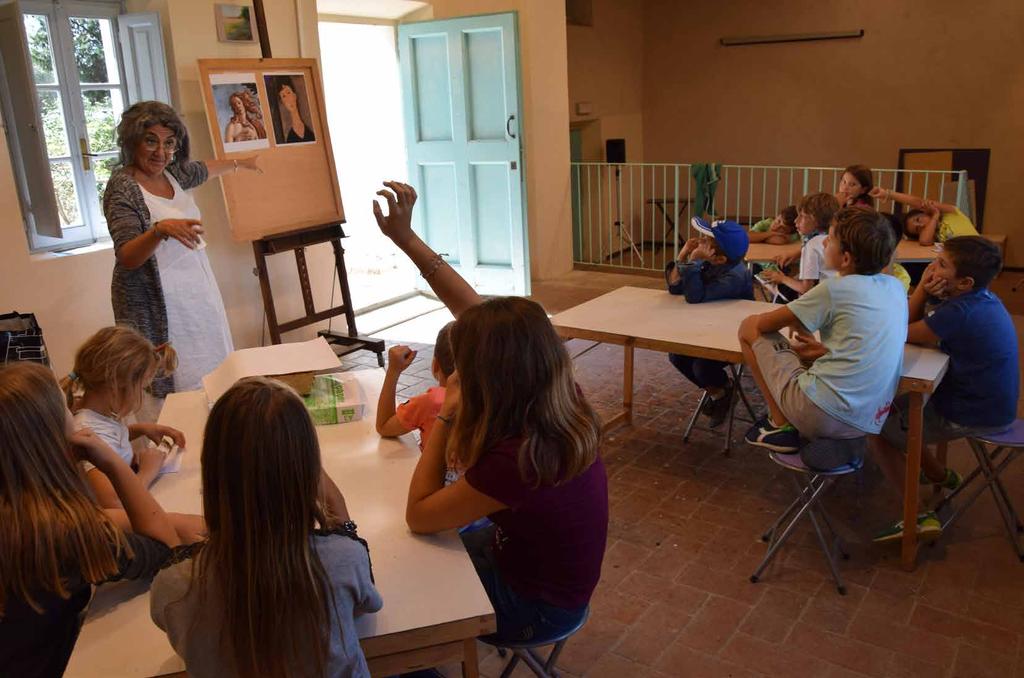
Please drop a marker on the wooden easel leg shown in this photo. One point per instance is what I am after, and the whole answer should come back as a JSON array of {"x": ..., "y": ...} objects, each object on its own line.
[
  {"x": 346, "y": 296},
  {"x": 915, "y": 437},
  {"x": 266, "y": 292},
  {"x": 470, "y": 662},
  {"x": 627, "y": 379}
]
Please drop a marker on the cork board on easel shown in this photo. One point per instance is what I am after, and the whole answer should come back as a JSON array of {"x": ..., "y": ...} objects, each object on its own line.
[{"x": 273, "y": 108}]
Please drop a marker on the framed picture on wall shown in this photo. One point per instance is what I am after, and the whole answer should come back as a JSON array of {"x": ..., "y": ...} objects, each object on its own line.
[{"x": 234, "y": 23}]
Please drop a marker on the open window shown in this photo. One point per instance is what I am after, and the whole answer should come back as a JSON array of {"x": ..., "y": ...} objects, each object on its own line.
[{"x": 69, "y": 69}]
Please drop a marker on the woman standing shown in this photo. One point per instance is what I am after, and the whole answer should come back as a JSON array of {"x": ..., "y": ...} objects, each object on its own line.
[{"x": 163, "y": 285}]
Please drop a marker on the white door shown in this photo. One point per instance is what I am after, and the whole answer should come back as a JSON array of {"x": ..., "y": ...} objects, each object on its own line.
[{"x": 460, "y": 88}]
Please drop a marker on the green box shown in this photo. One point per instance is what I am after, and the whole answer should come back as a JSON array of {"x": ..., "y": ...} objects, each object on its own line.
[{"x": 335, "y": 399}]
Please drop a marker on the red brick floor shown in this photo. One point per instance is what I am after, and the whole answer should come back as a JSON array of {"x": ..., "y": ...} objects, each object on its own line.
[{"x": 675, "y": 599}]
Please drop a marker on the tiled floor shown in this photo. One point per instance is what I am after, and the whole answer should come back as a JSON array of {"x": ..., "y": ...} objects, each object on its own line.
[{"x": 674, "y": 597}]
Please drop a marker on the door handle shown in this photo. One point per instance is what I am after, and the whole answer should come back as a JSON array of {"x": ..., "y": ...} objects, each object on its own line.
[
  {"x": 508, "y": 126},
  {"x": 83, "y": 146}
]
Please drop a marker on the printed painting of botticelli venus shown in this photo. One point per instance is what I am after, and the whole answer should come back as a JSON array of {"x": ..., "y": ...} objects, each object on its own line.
[
  {"x": 234, "y": 23},
  {"x": 239, "y": 113}
]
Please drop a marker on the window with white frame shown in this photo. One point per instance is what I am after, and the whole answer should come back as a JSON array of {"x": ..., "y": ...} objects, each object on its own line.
[{"x": 83, "y": 70}]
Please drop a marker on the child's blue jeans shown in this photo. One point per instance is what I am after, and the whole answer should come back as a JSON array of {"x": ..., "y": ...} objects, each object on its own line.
[
  {"x": 519, "y": 620},
  {"x": 704, "y": 373}
]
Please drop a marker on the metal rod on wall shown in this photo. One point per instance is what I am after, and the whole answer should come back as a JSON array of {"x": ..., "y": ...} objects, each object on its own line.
[{"x": 737, "y": 41}]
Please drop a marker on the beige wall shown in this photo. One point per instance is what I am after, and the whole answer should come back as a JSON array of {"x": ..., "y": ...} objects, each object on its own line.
[
  {"x": 542, "y": 46},
  {"x": 71, "y": 293},
  {"x": 927, "y": 74},
  {"x": 606, "y": 70}
]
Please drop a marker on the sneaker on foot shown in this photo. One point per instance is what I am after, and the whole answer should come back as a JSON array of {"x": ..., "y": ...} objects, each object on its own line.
[
  {"x": 952, "y": 480},
  {"x": 719, "y": 409},
  {"x": 776, "y": 438},
  {"x": 928, "y": 527}
]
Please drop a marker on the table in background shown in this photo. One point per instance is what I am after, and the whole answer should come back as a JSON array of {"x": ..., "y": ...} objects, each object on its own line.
[
  {"x": 663, "y": 205},
  {"x": 434, "y": 604},
  {"x": 643, "y": 318},
  {"x": 907, "y": 251}
]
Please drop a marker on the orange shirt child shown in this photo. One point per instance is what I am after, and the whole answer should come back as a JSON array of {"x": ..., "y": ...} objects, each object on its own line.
[{"x": 419, "y": 413}]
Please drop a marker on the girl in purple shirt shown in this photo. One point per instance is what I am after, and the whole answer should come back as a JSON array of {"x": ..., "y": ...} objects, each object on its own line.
[{"x": 517, "y": 421}]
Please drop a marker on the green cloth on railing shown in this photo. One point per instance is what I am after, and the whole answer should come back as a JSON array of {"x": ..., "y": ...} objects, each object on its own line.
[{"x": 706, "y": 175}]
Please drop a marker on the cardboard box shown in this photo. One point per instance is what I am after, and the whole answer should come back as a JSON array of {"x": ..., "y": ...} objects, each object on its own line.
[
  {"x": 335, "y": 399},
  {"x": 302, "y": 382}
]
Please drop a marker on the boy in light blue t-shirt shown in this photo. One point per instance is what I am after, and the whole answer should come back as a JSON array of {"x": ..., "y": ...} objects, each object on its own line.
[{"x": 840, "y": 387}]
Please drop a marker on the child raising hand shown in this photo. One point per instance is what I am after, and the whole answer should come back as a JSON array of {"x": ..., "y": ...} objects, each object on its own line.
[{"x": 420, "y": 412}]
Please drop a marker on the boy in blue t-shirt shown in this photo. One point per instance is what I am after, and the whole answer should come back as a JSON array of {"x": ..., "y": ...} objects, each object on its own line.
[
  {"x": 841, "y": 387},
  {"x": 710, "y": 267},
  {"x": 979, "y": 393}
]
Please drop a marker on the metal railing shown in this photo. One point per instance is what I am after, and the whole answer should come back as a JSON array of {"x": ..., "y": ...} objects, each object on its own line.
[{"x": 637, "y": 215}]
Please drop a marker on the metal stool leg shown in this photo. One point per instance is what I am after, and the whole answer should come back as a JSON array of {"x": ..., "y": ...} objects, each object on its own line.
[
  {"x": 511, "y": 666},
  {"x": 1000, "y": 496},
  {"x": 768, "y": 535},
  {"x": 773, "y": 549},
  {"x": 827, "y": 548},
  {"x": 993, "y": 483},
  {"x": 549, "y": 665},
  {"x": 696, "y": 413}
]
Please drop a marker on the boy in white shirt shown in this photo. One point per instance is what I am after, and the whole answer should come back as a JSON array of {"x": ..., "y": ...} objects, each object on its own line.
[
  {"x": 814, "y": 214},
  {"x": 842, "y": 387}
]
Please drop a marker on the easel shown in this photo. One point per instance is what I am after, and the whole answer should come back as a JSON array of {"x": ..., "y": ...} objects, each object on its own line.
[{"x": 297, "y": 243}]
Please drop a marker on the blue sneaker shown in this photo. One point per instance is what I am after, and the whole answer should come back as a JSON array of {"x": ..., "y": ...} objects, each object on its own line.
[{"x": 776, "y": 438}]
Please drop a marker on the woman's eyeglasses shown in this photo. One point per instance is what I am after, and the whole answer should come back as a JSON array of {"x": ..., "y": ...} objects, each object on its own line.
[{"x": 151, "y": 143}]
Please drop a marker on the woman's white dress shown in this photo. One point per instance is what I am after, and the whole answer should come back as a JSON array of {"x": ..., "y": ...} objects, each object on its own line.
[{"x": 197, "y": 325}]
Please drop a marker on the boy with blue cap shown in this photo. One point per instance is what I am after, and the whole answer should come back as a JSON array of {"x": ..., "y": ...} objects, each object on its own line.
[{"x": 710, "y": 267}]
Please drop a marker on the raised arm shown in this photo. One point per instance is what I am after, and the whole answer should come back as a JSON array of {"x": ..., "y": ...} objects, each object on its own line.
[
  {"x": 453, "y": 291},
  {"x": 388, "y": 424}
]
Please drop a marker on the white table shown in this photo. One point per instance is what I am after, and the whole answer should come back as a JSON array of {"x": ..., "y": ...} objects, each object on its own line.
[
  {"x": 434, "y": 604},
  {"x": 633, "y": 318}
]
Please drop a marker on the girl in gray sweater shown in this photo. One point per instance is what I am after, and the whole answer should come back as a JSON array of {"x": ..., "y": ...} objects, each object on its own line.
[{"x": 275, "y": 589}]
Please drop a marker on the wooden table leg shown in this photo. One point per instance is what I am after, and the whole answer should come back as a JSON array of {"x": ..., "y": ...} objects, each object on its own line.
[
  {"x": 915, "y": 439},
  {"x": 627, "y": 379},
  {"x": 470, "y": 663}
]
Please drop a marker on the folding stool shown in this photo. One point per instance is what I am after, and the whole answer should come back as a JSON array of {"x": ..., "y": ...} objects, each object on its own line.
[
  {"x": 1007, "y": 446},
  {"x": 807, "y": 503}
]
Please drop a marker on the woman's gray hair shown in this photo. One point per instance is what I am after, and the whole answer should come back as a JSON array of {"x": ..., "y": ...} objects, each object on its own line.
[{"x": 138, "y": 118}]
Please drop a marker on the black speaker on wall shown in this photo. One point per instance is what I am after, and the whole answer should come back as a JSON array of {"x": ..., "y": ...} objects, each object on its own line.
[{"x": 615, "y": 151}]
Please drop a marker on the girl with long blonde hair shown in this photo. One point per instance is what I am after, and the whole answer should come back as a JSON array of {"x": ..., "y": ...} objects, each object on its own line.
[
  {"x": 514, "y": 416},
  {"x": 55, "y": 541},
  {"x": 106, "y": 387},
  {"x": 275, "y": 588}
]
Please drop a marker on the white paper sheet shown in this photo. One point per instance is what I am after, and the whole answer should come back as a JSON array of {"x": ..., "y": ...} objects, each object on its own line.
[{"x": 308, "y": 356}]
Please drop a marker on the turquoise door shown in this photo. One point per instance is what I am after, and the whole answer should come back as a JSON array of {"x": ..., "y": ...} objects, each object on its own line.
[{"x": 460, "y": 87}]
